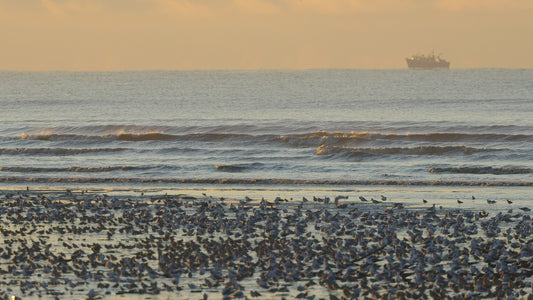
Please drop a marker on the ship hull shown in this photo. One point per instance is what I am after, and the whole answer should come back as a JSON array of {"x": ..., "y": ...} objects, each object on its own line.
[{"x": 423, "y": 65}]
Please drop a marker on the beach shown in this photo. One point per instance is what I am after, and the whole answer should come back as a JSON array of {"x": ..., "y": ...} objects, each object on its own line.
[{"x": 153, "y": 244}]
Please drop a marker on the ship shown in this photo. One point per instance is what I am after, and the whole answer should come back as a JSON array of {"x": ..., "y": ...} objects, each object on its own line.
[{"x": 427, "y": 62}]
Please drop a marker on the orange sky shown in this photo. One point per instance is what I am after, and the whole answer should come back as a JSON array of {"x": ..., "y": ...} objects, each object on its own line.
[{"x": 261, "y": 34}]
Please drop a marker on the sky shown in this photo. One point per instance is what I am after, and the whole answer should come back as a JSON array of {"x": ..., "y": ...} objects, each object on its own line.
[{"x": 103, "y": 35}]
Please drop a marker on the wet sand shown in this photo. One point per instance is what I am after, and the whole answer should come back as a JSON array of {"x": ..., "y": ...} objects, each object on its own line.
[{"x": 75, "y": 244}]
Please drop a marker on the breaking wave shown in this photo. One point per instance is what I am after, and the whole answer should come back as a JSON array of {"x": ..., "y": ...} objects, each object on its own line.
[
  {"x": 318, "y": 138},
  {"x": 312, "y": 139}
]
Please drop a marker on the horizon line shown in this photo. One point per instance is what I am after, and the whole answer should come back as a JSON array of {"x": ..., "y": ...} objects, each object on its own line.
[{"x": 253, "y": 70}]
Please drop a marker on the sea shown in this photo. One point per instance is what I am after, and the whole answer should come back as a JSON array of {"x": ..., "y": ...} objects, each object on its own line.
[{"x": 443, "y": 135}]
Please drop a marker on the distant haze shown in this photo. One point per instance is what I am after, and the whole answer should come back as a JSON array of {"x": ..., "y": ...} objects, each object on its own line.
[{"x": 261, "y": 34}]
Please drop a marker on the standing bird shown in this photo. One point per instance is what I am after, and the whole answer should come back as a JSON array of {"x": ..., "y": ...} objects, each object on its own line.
[
  {"x": 363, "y": 199},
  {"x": 459, "y": 201},
  {"x": 383, "y": 198},
  {"x": 339, "y": 198}
]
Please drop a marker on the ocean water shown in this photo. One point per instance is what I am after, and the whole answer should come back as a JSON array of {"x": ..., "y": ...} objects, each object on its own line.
[
  {"x": 314, "y": 128},
  {"x": 454, "y": 138}
]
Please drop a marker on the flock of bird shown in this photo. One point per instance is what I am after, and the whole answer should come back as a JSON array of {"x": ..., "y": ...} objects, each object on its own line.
[{"x": 74, "y": 244}]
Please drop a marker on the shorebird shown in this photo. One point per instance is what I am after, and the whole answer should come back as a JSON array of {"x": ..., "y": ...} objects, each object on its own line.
[
  {"x": 340, "y": 197},
  {"x": 459, "y": 201},
  {"x": 263, "y": 248},
  {"x": 363, "y": 199},
  {"x": 491, "y": 201},
  {"x": 398, "y": 205}
]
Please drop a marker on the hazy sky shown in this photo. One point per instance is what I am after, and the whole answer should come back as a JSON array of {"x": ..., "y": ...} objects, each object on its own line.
[{"x": 261, "y": 34}]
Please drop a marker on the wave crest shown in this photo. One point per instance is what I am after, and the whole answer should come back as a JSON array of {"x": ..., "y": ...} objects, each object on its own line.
[
  {"x": 151, "y": 136},
  {"x": 73, "y": 169},
  {"x": 57, "y": 151},
  {"x": 141, "y": 137},
  {"x": 312, "y": 139},
  {"x": 319, "y": 138},
  {"x": 272, "y": 181},
  {"x": 420, "y": 150},
  {"x": 481, "y": 170},
  {"x": 237, "y": 168}
]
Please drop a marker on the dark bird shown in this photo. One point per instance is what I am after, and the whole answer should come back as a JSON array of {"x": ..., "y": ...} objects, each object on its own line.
[
  {"x": 398, "y": 205},
  {"x": 459, "y": 201}
]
